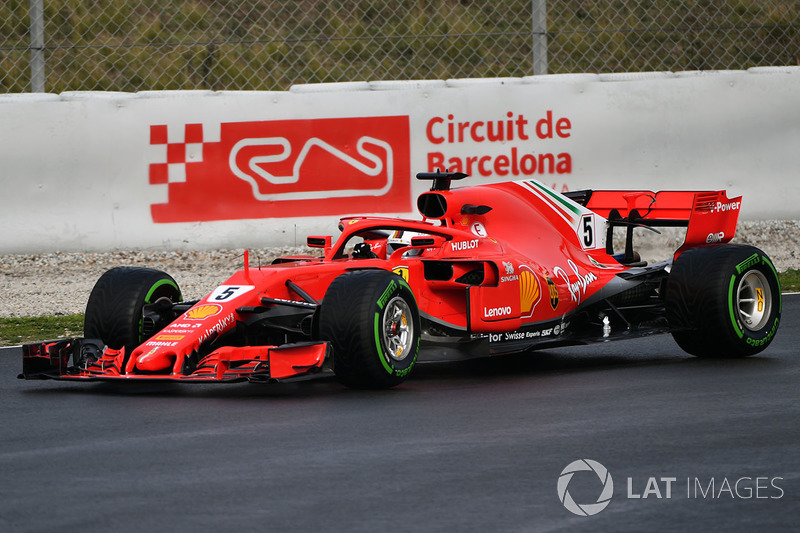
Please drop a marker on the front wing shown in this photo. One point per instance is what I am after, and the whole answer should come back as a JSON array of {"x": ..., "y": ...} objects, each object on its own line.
[{"x": 66, "y": 360}]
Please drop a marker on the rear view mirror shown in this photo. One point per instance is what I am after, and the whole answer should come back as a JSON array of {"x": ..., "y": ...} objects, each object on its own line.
[
  {"x": 431, "y": 241},
  {"x": 318, "y": 241}
]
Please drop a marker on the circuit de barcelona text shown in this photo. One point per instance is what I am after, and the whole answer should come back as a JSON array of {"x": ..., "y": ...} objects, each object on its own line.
[{"x": 514, "y": 132}]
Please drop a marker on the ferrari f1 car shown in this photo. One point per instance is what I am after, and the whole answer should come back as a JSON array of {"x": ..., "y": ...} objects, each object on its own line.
[{"x": 489, "y": 269}]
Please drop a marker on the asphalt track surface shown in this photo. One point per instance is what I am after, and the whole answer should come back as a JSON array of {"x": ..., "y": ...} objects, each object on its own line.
[{"x": 475, "y": 446}]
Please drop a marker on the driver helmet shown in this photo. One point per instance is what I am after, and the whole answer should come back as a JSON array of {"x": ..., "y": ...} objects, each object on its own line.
[{"x": 400, "y": 239}]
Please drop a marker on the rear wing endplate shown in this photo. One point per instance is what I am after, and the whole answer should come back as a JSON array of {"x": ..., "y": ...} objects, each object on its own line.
[{"x": 709, "y": 216}]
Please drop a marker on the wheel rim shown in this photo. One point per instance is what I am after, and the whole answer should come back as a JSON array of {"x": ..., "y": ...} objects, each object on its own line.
[
  {"x": 754, "y": 300},
  {"x": 398, "y": 329}
]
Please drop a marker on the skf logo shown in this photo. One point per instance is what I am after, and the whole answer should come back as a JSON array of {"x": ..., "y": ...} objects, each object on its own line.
[
  {"x": 281, "y": 168},
  {"x": 202, "y": 312}
]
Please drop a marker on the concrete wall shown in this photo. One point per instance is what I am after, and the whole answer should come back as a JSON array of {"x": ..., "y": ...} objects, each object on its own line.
[{"x": 195, "y": 169}]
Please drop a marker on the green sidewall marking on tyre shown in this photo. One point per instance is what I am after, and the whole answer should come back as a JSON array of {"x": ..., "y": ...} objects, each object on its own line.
[
  {"x": 777, "y": 280},
  {"x": 387, "y": 294},
  {"x": 747, "y": 263},
  {"x": 731, "y": 305},
  {"x": 382, "y": 301},
  {"x": 157, "y": 285},
  {"x": 404, "y": 283},
  {"x": 378, "y": 346}
]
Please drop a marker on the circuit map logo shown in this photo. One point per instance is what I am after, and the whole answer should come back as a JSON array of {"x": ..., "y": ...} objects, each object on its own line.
[{"x": 280, "y": 168}]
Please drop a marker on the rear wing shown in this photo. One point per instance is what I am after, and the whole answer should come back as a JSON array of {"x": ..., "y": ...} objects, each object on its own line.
[{"x": 709, "y": 216}]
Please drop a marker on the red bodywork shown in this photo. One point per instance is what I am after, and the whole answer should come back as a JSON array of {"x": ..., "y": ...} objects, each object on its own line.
[{"x": 499, "y": 267}]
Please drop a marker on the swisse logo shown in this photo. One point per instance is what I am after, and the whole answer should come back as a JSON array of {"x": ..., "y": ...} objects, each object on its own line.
[
  {"x": 719, "y": 207},
  {"x": 606, "y": 492},
  {"x": 279, "y": 168},
  {"x": 493, "y": 312},
  {"x": 715, "y": 237}
]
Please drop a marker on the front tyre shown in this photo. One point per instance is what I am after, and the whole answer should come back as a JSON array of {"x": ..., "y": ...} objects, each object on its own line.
[
  {"x": 723, "y": 301},
  {"x": 372, "y": 320},
  {"x": 114, "y": 312}
]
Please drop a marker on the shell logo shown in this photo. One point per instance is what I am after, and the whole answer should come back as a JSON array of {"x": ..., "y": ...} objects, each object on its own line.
[
  {"x": 203, "y": 311},
  {"x": 529, "y": 291}
]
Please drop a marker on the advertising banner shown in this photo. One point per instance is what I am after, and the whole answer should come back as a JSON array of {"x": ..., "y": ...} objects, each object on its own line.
[{"x": 202, "y": 169}]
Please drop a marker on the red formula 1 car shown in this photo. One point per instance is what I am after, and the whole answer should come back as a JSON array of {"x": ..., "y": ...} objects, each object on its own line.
[{"x": 490, "y": 269}]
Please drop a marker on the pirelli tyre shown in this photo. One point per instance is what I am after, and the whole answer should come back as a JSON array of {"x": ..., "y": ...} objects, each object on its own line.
[
  {"x": 372, "y": 321},
  {"x": 723, "y": 301},
  {"x": 114, "y": 312}
]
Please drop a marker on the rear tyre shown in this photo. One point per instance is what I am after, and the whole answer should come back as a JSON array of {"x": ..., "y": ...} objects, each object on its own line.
[
  {"x": 371, "y": 319},
  {"x": 723, "y": 301},
  {"x": 114, "y": 312}
]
